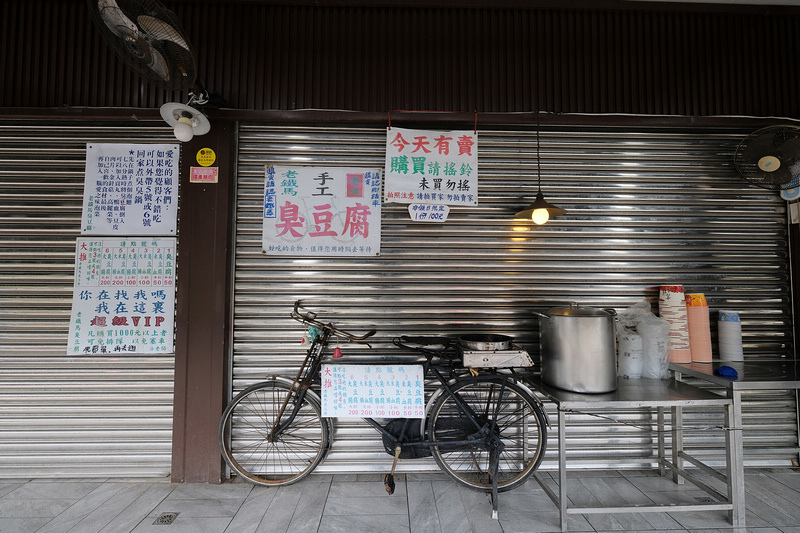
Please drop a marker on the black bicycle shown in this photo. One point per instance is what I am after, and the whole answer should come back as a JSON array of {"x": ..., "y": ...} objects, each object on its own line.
[{"x": 483, "y": 427}]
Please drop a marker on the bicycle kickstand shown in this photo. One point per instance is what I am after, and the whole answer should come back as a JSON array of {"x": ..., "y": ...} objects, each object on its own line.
[
  {"x": 493, "y": 469},
  {"x": 388, "y": 479}
]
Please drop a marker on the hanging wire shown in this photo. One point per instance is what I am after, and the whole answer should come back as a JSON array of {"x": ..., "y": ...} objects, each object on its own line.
[{"x": 538, "y": 157}]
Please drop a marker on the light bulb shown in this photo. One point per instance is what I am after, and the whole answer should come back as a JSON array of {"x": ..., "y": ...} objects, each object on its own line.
[
  {"x": 540, "y": 216},
  {"x": 183, "y": 129}
]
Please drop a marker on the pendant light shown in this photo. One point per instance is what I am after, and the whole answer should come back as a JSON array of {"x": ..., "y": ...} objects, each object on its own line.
[
  {"x": 540, "y": 211},
  {"x": 186, "y": 120}
]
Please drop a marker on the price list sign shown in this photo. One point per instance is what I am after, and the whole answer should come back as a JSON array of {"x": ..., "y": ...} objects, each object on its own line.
[
  {"x": 124, "y": 296},
  {"x": 373, "y": 391}
]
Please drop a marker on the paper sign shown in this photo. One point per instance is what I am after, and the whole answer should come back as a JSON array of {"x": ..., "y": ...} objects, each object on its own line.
[
  {"x": 319, "y": 211},
  {"x": 204, "y": 175},
  {"x": 131, "y": 189},
  {"x": 124, "y": 296},
  {"x": 373, "y": 391},
  {"x": 428, "y": 213},
  {"x": 431, "y": 167}
]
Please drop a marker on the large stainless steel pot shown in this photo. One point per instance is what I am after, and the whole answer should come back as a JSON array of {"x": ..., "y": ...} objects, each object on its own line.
[{"x": 578, "y": 348}]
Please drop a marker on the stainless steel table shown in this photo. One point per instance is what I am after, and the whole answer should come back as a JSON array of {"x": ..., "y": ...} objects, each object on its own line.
[
  {"x": 659, "y": 395},
  {"x": 752, "y": 375}
]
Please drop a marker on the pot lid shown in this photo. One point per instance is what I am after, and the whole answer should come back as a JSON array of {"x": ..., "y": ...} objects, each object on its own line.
[
  {"x": 485, "y": 337},
  {"x": 576, "y": 310}
]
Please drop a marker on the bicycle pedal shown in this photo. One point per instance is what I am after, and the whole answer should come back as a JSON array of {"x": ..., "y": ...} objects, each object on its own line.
[{"x": 388, "y": 483}]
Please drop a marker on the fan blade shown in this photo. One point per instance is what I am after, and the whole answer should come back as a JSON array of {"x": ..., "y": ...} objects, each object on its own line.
[
  {"x": 114, "y": 18},
  {"x": 161, "y": 31},
  {"x": 159, "y": 65},
  {"x": 757, "y": 147},
  {"x": 789, "y": 151},
  {"x": 778, "y": 178}
]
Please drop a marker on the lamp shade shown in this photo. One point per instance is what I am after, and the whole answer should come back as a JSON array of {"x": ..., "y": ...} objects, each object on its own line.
[
  {"x": 186, "y": 120},
  {"x": 540, "y": 203}
]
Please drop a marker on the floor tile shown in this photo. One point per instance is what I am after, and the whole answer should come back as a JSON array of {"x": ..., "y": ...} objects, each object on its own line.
[
  {"x": 82, "y": 516},
  {"x": 207, "y": 508},
  {"x": 130, "y": 506},
  {"x": 19, "y": 508},
  {"x": 252, "y": 511},
  {"x": 365, "y": 523},
  {"x": 423, "y": 517},
  {"x": 37, "y": 490},
  {"x": 185, "y": 525}
]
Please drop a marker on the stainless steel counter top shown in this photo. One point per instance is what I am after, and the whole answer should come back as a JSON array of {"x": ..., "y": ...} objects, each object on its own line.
[
  {"x": 765, "y": 374},
  {"x": 633, "y": 393}
]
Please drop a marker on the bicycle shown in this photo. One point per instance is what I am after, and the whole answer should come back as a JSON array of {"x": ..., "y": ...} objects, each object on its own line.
[{"x": 484, "y": 428}]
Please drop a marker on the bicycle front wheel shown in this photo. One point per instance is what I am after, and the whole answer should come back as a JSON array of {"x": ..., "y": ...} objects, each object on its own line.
[
  {"x": 251, "y": 450},
  {"x": 520, "y": 425}
]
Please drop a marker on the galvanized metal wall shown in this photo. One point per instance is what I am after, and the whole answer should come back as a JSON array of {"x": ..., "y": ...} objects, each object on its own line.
[
  {"x": 603, "y": 57},
  {"x": 60, "y": 415},
  {"x": 646, "y": 207}
]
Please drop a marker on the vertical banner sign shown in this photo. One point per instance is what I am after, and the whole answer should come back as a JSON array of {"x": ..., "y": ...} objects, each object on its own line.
[
  {"x": 431, "y": 167},
  {"x": 124, "y": 296},
  {"x": 317, "y": 211},
  {"x": 131, "y": 189},
  {"x": 374, "y": 391}
]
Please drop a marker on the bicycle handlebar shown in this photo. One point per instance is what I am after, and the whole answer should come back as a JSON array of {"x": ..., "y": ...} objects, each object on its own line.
[{"x": 310, "y": 318}]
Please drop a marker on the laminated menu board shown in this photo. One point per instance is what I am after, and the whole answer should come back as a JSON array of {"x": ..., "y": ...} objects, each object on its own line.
[
  {"x": 373, "y": 391},
  {"x": 124, "y": 296}
]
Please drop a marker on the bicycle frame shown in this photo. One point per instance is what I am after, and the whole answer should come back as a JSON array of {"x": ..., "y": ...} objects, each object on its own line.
[{"x": 485, "y": 434}]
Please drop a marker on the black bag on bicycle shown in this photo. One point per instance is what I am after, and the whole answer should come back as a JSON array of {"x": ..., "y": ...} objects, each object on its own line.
[{"x": 412, "y": 434}]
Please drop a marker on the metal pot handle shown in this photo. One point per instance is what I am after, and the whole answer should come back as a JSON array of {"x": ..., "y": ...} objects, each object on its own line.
[{"x": 541, "y": 315}]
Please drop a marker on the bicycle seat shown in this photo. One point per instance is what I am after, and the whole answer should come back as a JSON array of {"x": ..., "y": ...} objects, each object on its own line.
[{"x": 433, "y": 342}]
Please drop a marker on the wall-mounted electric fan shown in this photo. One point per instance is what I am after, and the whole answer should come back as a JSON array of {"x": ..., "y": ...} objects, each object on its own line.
[
  {"x": 148, "y": 38},
  {"x": 770, "y": 157}
]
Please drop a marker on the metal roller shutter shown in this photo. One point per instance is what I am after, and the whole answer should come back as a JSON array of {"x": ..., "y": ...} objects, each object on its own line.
[
  {"x": 645, "y": 208},
  {"x": 65, "y": 416}
]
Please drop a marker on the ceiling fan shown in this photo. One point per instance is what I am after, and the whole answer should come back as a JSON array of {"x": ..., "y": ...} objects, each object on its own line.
[{"x": 149, "y": 39}]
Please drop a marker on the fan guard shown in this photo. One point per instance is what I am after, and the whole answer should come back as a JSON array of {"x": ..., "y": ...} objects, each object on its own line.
[
  {"x": 770, "y": 157},
  {"x": 148, "y": 38}
]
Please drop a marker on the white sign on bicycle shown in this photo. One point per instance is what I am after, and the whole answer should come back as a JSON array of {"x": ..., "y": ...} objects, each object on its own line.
[{"x": 373, "y": 391}]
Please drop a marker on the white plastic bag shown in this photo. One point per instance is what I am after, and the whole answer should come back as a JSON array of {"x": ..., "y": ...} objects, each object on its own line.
[
  {"x": 654, "y": 332},
  {"x": 630, "y": 355},
  {"x": 655, "y": 347}
]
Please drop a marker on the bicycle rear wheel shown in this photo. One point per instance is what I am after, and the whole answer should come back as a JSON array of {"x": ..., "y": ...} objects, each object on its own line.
[
  {"x": 244, "y": 435},
  {"x": 521, "y": 427}
]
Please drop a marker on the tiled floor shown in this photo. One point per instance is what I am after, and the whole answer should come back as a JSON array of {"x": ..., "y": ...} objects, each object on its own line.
[{"x": 354, "y": 504}]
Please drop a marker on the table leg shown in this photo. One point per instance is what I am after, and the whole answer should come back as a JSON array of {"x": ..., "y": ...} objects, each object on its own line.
[
  {"x": 562, "y": 469},
  {"x": 677, "y": 444},
  {"x": 662, "y": 470},
  {"x": 734, "y": 448}
]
